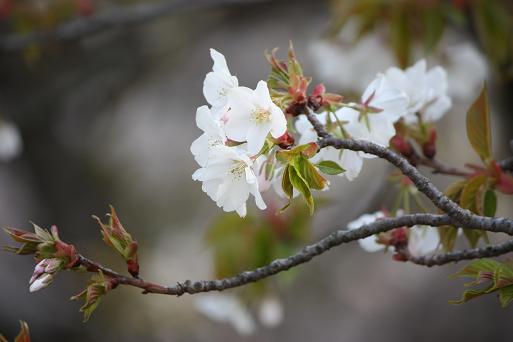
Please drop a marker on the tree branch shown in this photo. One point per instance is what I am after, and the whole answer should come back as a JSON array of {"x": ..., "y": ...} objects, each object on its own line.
[
  {"x": 113, "y": 18},
  {"x": 467, "y": 254},
  {"x": 306, "y": 254},
  {"x": 440, "y": 168},
  {"x": 461, "y": 216}
]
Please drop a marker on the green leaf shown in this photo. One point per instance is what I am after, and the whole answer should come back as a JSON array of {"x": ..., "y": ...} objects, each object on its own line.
[
  {"x": 490, "y": 203},
  {"x": 308, "y": 150},
  {"x": 301, "y": 185},
  {"x": 478, "y": 127},
  {"x": 287, "y": 187},
  {"x": 434, "y": 25},
  {"x": 448, "y": 235},
  {"x": 472, "y": 198},
  {"x": 489, "y": 276},
  {"x": 309, "y": 173},
  {"x": 400, "y": 35},
  {"x": 506, "y": 295},
  {"x": 330, "y": 167},
  {"x": 470, "y": 192},
  {"x": 473, "y": 236},
  {"x": 453, "y": 191}
]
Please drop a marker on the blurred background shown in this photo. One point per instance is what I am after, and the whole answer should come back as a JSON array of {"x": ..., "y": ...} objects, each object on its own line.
[{"x": 97, "y": 107}]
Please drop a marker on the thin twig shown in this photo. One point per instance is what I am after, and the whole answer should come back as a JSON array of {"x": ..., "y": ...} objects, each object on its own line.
[
  {"x": 440, "y": 168},
  {"x": 464, "y": 217},
  {"x": 467, "y": 254}
]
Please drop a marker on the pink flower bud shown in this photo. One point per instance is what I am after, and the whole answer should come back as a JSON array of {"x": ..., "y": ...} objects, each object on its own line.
[
  {"x": 44, "y": 273},
  {"x": 41, "y": 282}
]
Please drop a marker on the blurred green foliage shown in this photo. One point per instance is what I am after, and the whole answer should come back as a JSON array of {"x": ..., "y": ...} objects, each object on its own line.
[{"x": 407, "y": 22}]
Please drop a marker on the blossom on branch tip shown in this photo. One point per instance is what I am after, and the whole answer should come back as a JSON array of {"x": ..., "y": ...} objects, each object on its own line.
[
  {"x": 229, "y": 179},
  {"x": 44, "y": 272},
  {"x": 252, "y": 116}
]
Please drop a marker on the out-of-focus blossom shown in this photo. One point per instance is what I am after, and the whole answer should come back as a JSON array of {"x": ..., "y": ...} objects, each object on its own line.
[
  {"x": 270, "y": 312},
  {"x": 423, "y": 240},
  {"x": 252, "y": 116},
  {"x": 226, "y": 309},
  {"x": 426, "y": 89},
  {"x": 349, "y": 65},
  {"x": 466, "y": 68},
  {"x": 229, "y": 179},
  {"x": 10, "y": 141}
]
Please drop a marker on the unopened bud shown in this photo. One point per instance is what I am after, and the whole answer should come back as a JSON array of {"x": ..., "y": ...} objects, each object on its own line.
[
  {"x": 401, "y": 145},
  {"x": 40, "y": 283},
  {"x": 44, "y": 273},
  {"x": 286, "y": 141},
  {"x": 429, "y": 150}
]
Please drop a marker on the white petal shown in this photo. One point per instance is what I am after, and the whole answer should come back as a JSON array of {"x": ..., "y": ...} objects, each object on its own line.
[
  {"x": 40, "y": 283},
  {"x": 219, "y": 62},
  {"x": 423, "y": 240},
  {"x": 256, "y": 137},
  {"x": 262, "y": 93},
  {"x": 279, "y": 122},
  {"x": 352, "y": 163},
  {"x": 239, "y": 116},
  {"x": 437, "y": 109}
]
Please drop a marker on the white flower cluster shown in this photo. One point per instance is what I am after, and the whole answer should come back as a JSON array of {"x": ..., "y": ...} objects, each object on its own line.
[
  {"x": 235, "y": 130},
  {"x": 391, "y": 96},
  {"x": 242, "y": 122}
]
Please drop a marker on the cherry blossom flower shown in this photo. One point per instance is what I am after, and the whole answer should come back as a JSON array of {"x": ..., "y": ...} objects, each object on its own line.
[
  {"x": 225, "y": 308},
  {"x": 381, "y": 106},
  {"x": 218, "y": 82},
  {"x": 252, "y": 116},
  {"x": 423, "y": 240},
  {"x": 212, "y": 137},
  {"x": 350, "y": 161},
  {"x": 228, "y": 179},
  {"x": 426, "y": 89}
]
